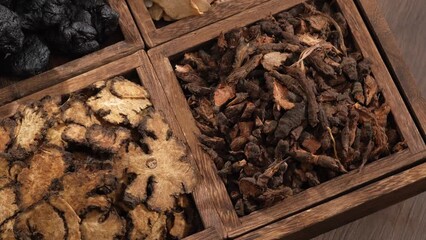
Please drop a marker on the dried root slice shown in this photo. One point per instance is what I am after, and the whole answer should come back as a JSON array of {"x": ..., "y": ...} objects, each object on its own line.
[
  {"x": 31, "y": 126},
  {"x": 181, "y": 227},
  {"x": 54, "y": 135},
  {"x": 147, "y": 224},
  {"x": 7, "y": 128},
  {"x": 52, "y": 106},
  {"x": 40, "y": 222},
  {"x": 71, "y": 219},
  {"x": 120, "y": 110},
  {"x": 75, "y": 134},
  {"x": 320, "y": 160},
  {"x": 45, "y": 166},
  {"x": 123, "y": 88},
  {"x": 6, "y": 230},
  {"x": 8, "y": 206},
  {"x": 96, "y": 226},
  {"x": 79, "y": 187},
  {"x": 371, "y": 89},
  {"x": 180, "y": 9},
  {"x": 273, "y": 60},
  {"x": 77, "y": 112},
  {"x": 5, "y": 177},
  {"x": 281, "y": 97},
  {"x": 107, "y": 139},
  {"x": 165, "y": 166}
]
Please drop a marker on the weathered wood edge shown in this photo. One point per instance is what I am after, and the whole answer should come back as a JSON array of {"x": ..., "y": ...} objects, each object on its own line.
[
  {"x": 347, "y": 208},
  {"x": 208, "y": 234},
  {"x": 154, "y": 36},
  {"x": 131, "y": 43},
  {"x": 203, "y": 193},
  {"x": 392, "y": 54}
]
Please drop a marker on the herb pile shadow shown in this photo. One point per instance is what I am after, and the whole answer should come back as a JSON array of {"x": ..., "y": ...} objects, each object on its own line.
[{"x": 286, "y": 104}]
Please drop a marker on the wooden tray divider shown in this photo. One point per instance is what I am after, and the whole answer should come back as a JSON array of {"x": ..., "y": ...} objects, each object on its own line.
[
  {"x": 160, "y": 57},
  {"x": 154, "y": 36},
  {"x": 392, "y": 54},
  {"x": 131, "y": 43}
]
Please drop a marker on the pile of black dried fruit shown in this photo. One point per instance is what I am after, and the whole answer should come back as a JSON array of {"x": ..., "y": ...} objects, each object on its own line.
[
  {"x": 100, "y": 163},
  {"x": 31, "y": 29},
  {"x": 286, "y": 104}
]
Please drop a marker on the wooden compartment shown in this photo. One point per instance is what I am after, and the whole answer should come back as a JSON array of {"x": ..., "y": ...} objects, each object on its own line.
[
  {"x": 296, "y": 209},
  {"x": 393, "y": 57},
  {"x": 139, "y": 65},
  {"x": 154, "y": 35},
  {"x": 127, "y": 40}
]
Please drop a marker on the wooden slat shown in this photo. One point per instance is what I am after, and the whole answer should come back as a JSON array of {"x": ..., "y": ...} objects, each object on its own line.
[
  {"x": 212, "y": 191},
  {"x": 131, "y": 43},
  {"x": 202, "y": 35},
  {"x": 393, "y": 54},
  {"x": 201, "y": 194},
  {"x": 368, "y": 49},
  {"x": 208, "y": 234},
  {"x": 76, "y": 83},
  {"x": 348, "y": 207},
  {"x": 154, "y": 36}
]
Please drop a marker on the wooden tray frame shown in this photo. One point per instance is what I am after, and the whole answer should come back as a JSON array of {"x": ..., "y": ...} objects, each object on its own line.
[
  {"x": 131, "y": 43},
  {"x": 392, "y": 55},
  {"x": 140, "y": 63},
  {"x": 154, "y": 36},
  {"x": 232, "y": 226}
]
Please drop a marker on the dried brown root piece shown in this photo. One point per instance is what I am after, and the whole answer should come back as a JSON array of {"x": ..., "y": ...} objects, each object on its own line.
[
  {"x": 181, "y": 227},
  {"x": 128, "y": 109},
  {"x": 7, "y": 129},
  {"x": 76, "y": 111},
  {"x": 8, "y": 205},
  {"x": 108, "y": 226},
  {"x": 75, "y": 134},
  {"x": 147, "y": 224},
  {"x": 54, "y": 135},
  {"x": 107, "y": 139},
  {"x": 40, "y": 222},
  {"x": 166, "y": 166},
  {"x": 290, "y": 120},
  {"x": 79, "y": 189},
  {"x": 6, "y": 230},
  {"x": 30, "y": 129},
  {"x": 5, "y": 177},
  {"x": 70, "y": 217},
  {"x": 320, "y": 160},
  {"x": 52, "y": 106},
  {"x": 45, "y": 166}
]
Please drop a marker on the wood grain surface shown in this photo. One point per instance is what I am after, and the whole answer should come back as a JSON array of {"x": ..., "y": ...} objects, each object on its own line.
[{"x": 407, "y": 219}]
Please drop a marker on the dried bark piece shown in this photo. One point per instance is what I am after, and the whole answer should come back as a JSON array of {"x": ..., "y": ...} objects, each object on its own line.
[
  {"x": 107, "y": 139},
  {"x": 187, "y": 74},
  {"x": 76, "y": 111},
  {"x": 320, "y": 65},
  {"x": 272, "y": 196},
  {"x": 45, "y": 166},
  {"x": 273, "y": 60},
  {"x": 310, "y": 143},
  {"x": 309, "y": 39},
  {"x": 7, "y": 130},
  {"x": 77, "y": 187},
  {"x": 370, "y": 89},
  {"x": 147, "y": 224},
  {"x": 290, "y": 120},
  {"x": 249, "y": 187},
  {"x": 291, "y": 83},
  {"x": 263, "y": 179},
  {"x": 349, "y": 67},
  {"x": 223, "y": 93},
  {"x": 70, "y": 217},
  {"x": 31, "y": 127},
  {"x": 166, "y": 167},
  {"x": 242, "y": 72},
  {"x": 320, "y": 160},
  {"x": 358, "y": 92},
  {"x": 40, "y": 222},
  {"x": 242, "y": 53},
  {"x": 75, "y": 134},
  {"x": 97, "y": 225},
  {"x": 180, "y": 9},
  {"x": 116, "y": 110},
  {"x": 318, "y": 22},
  {"x": 8, "y": 204},
  {"x": 281, "y": 97}
]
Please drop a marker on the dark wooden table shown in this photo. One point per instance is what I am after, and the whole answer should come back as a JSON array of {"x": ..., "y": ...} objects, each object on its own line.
[{"x": 406, "y": 220}]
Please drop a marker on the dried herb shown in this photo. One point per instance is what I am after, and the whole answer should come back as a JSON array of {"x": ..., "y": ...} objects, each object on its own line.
[{"x": 287, "y": 103}]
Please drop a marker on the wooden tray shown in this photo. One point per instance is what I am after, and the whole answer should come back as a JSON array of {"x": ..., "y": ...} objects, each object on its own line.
[
  {"x": 131, "y": 43},
  {"x": 392, "y": 55},
  {"x": 137, "y": 62},
  {"x": 154, "y": 36},
  {"x": 231, "y": 225}
]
